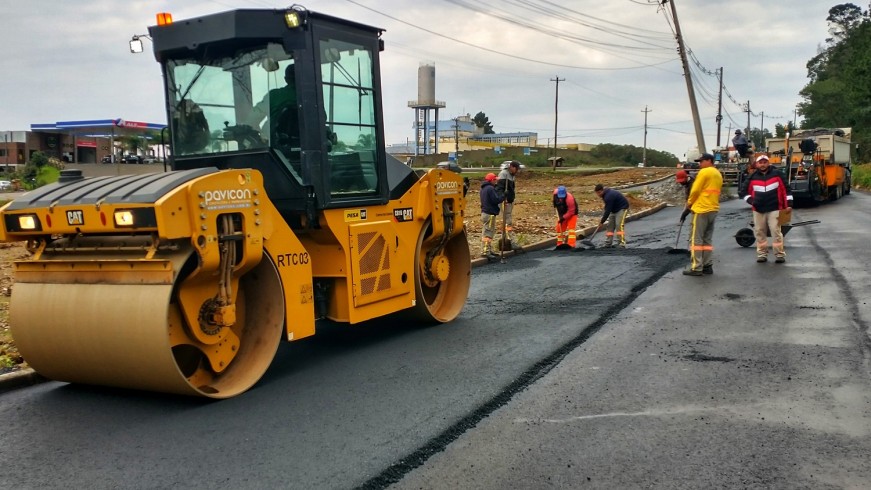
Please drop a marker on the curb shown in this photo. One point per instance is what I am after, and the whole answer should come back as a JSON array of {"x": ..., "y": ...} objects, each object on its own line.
[
  {"x": 20, "y": 378},
  {"x": 29, "y": 377}
]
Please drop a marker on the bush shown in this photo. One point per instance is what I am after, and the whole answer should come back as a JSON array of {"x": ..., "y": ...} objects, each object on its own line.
[{"x": 862, "y": 176}]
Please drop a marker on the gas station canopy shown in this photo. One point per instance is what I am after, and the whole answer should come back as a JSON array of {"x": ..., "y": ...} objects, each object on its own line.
[{"x": 101, "y": 127}]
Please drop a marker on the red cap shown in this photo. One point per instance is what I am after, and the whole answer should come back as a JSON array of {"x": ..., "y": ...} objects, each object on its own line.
[
  {"x": 681, "y": 176},
  {"x": 490, "y": 177}
]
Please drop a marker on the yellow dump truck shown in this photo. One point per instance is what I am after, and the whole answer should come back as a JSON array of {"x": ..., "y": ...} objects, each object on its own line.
[{"x": 281, "y": 209}]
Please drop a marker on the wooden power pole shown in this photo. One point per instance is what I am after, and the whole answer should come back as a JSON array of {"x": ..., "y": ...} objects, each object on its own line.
[{"x": 700, "y": 137}]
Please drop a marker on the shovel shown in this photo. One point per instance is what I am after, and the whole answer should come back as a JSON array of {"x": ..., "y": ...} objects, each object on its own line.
[
  {"x": 674, "y": 250},
  {"x": 589, "y": 241}
]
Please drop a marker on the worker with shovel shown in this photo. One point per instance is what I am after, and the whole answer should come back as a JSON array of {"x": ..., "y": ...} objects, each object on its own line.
[
  {"x": 704, "y": 203},
  {"x": 614, "y": 217},
  {"x": 567, "y": 218},
  {"x": 505, "y": 186}
]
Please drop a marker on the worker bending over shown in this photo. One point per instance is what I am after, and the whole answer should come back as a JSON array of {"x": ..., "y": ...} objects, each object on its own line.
[
  {"x": 614, "y": 217},
  {"x": 567, "y": 220}
]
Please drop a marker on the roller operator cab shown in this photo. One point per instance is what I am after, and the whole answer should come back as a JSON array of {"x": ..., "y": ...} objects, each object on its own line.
[{"x": 281, "y": 209}]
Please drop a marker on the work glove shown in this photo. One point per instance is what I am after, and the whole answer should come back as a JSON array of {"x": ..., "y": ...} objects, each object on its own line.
[{"x": 683, "y": 216}]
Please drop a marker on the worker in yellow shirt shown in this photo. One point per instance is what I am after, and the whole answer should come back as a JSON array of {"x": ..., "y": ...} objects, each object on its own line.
[{"x": 704, "y": 203}]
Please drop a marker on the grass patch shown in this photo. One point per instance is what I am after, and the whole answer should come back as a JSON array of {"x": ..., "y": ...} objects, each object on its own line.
[{"x": 862, "y": 176}]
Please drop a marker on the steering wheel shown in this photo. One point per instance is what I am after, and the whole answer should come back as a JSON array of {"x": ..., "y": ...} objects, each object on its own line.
[{"x": 243, "y": 134}]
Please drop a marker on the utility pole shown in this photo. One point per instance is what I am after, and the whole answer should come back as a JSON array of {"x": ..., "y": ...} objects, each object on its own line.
[
  {"x": 556, "y": 113},
  {"x": 644, "y": 151},
  {"x": 762, "y": 129},
  {"x": 719, "y": 104},
  {"x": 747, "y": 110},
  {"x": 700, "y": 137}
]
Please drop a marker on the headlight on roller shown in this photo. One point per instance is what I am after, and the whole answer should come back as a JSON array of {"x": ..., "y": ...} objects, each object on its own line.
[
  {"x": 17, "y": 223},
  {"x": 124, "y": 218},
  {"x": 134, "y": 218},
  {"x": 28, "y": 222}
]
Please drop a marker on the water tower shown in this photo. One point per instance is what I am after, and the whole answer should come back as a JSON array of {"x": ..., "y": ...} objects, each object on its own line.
[{"x": 425, "y": 104}]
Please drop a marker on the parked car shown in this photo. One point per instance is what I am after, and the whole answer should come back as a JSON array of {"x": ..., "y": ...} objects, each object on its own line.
[
  {"x": 131, "y": 159},
  {"x": 508, "y": 162},
  {"x": 108, "y": 159},
  {"x": 148, "y": 159},
  {"x": 451, "y": 165},
  {"x": 5, "y": 185}
]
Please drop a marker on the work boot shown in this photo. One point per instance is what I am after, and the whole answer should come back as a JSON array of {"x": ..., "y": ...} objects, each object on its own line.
[
  {"x": 780, "y": 260},
  {"x": 762, "y": 259},
  {"x": 517, "y": 248},
  {"x": 690, "y": 272},
  {"x": 708, "y": 269}
]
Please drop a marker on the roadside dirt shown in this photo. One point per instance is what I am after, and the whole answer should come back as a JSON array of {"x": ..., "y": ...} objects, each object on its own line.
[
  {"x": 534, "y": 215},
  {"x": 534, "y": 221},
  {"x": 10, "y": 359}
]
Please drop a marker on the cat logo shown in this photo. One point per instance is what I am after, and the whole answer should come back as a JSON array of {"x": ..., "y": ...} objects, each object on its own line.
[
  {"x": 355, "y": 215},
  {"x": 75, "y": 217},
  {"x": 403, "y": 214}
]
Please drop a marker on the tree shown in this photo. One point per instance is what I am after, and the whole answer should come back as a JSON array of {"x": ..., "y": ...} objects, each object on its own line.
[
  {"x": 757, "y": 137},
  {"x": 840, "y": 79},
  {"x": 38, "y": 159},
  {"x": 780, "y": 130},
  {"x": 842, "y": 19},
  {"x": 482, "y": 121}
]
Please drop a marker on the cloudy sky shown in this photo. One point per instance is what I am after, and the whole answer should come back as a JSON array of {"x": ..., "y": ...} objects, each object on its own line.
[{"x": 69, "y": 60}]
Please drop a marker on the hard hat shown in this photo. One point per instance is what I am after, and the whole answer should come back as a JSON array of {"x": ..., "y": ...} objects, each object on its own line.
[
  {"x": 490, "y": 177},
  {"x": 561, "y": 191},
  {"x": 681, "y": 176}
]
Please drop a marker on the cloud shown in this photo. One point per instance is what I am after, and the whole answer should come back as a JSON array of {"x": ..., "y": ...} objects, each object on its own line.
[{"x": 70, "y": 60}]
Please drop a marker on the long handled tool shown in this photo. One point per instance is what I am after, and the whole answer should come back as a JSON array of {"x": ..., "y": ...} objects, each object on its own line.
[
  {"x": 503, "y": 239},
  {"x": 589, "y": 241},
  {"x": 674, "y": 250}
]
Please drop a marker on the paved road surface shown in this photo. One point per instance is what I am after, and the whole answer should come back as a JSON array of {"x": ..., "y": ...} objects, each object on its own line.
[{"x": 599, "y": 369}]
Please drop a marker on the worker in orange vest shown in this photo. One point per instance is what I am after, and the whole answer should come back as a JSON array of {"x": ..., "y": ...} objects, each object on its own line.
[{"x": 567, "y": 211}]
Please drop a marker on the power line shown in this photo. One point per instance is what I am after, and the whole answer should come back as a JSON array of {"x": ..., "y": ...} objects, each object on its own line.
[{"x": 514, "y": 56}]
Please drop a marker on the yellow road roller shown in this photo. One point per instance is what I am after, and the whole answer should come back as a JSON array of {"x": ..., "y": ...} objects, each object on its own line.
[{"x": 282, "y": 208}]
